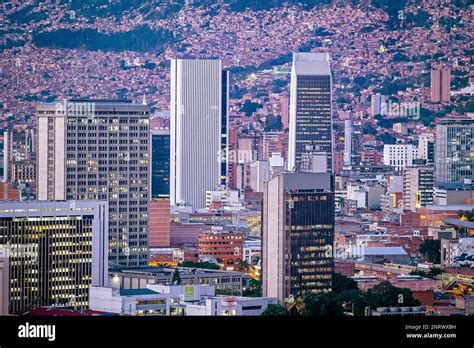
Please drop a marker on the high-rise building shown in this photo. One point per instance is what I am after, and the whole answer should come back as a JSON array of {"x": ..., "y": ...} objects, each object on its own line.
[
  {"x": 417, "y": 187},
  {"x": 440, "y": 85},
  {"x": 310, "y": 107},
  {"x": 454, "y": 150},
  {"x": 232, "y": 159},
  {"x": 399, "y": 155},
  {"x": 99, "y": 150},
  {"x": 160, "y": 163},
  {"x": 2, "y": 157},
  {"x": 352, "y": 136},
  {"x": 56, "y": 250},
  {"x": 20, "y": 160},
  {"x": 199, "y": 129},
  {"x": 298, "y": 234},
  {"x": 378, "y": 104},
  {"x": 426, "y": 147}
]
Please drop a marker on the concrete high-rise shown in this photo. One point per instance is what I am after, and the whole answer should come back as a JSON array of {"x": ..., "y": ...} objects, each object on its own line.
[
  {"x": 99, "y": 150},
  {"x": 440, "y": 85},
  {"x": 310, "y": 107},
  {"x": 454, "y": 150},
  {"x": 378, "y": 104},
  {"x": 298, "y": 234},
  {"x": 199, "y": 129},
  {"x": 56, "y": 250},
  {"x": 417, "y": 187}
]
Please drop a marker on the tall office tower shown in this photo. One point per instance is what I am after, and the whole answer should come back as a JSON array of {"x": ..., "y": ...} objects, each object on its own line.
[
  {"x": 100, "y": 150},
  {"x": 56, "y": 251},
  {"x": 159, "y": 209},
  {"x": 20, "y": 157},
  {"x": 2, "y": 157},
  {"x": 298, "y": 231},
  {"x": 310, "y": 107},
  {"x": 417, "y": 187},
  {"x": 426, "y": 147},
  {"x": 348, "y": 132},
  {"x": 378, "y": 104},
  {"x": 199, "y": 127},
  {"x": 440, "y": 85},
  {"x": 232, "y": 158},
  {"x": 399, "y": 155},
  {"x": 454, "y": 150},
  {"x": 160, "y": 163}
]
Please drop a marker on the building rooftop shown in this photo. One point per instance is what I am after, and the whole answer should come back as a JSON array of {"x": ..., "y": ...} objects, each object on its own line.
[
  {"x": 306, "y": 63},
  {"x": 451, "y": 207},
  {"x": 168, "y": 271},
  {"x": 368, "y": 251},
  {"x": 455, "y": 186},
  {"x": 459, "y": 223},
  {"x": 137, "y": 292}
]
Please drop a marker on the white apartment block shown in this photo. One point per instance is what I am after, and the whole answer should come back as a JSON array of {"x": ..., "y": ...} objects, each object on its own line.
[{"x": 399, "y": 155}]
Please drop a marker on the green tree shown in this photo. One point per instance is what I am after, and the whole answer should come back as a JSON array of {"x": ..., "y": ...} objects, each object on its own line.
[
  {"x": 431, "y": 249},
  {"x": 341, "y": 283},
  {"x": 176, "y": 277},
  {"x": 385, "y": 294},
  {"x": 253, "y": 288},
  {"x": 275, "y": 310},
  {"x": 353, "y": 301},
  {"x": 205, "y": 264},
  {"x": 323, "y": 305}
]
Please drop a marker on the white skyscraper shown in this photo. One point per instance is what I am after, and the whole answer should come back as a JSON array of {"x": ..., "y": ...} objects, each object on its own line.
[
  {"x": 199, "y": 124},
  {"x": 310, "y": 107}
]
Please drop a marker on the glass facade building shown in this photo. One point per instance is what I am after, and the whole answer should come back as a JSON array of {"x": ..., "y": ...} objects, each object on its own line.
[
  {"x": 298, "y": 234},
  {"x": 310, "y": 107},
  {"x": 454, "y": 150},
  {"x": 55, "y": 251},
  {"x": 160, "y": 164}
]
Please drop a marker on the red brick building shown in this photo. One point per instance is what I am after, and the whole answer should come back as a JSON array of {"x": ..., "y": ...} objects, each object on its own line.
[
  {"x": 9, "y": 193},
  {"x": 227, "y": 246}
]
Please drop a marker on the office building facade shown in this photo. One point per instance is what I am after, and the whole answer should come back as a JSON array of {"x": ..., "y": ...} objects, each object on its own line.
[
  {"x": 298, "y": 234},
  {"x": 310, "y": 107},
  {"x": 55, "y": 251},
  {"x": 418, "y": 188},
  {"x": 99, "y": 150},
  {"x": 454, "y": 150},
  {"x": 160, "y": 164},
  {"x": 199, "y": 129},
  {"x": 399, "y": 155}
]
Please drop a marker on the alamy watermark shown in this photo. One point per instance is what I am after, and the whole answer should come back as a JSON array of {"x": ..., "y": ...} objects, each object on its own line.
[
  {"x": 403, "y": 109},
  {"x": 345, "y": 252},
  {"x": 24, "y": 251},
  {"x": 75, "y": 108}
]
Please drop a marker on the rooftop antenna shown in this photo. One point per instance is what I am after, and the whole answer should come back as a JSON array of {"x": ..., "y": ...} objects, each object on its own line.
[{"x": 144, "y": 99}]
